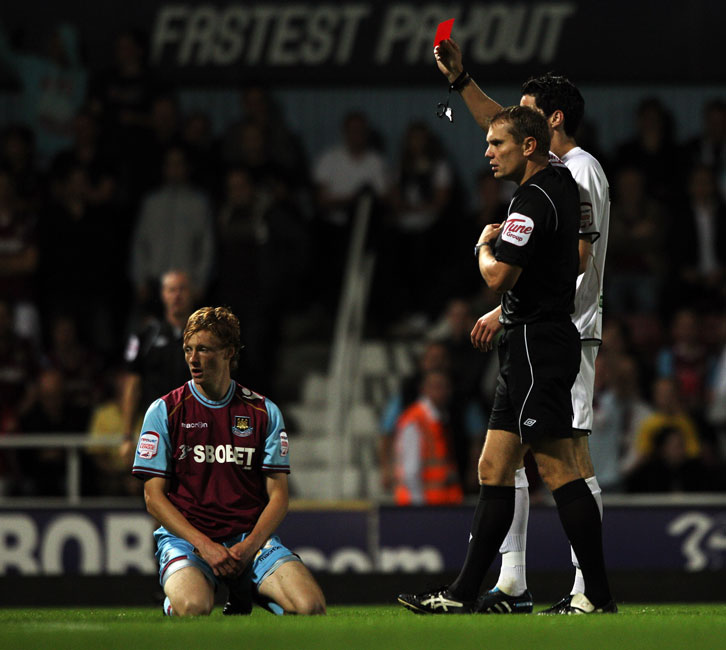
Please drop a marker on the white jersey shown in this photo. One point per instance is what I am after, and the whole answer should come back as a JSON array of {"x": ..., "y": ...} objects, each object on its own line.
[{"x": 594, "y": 221}]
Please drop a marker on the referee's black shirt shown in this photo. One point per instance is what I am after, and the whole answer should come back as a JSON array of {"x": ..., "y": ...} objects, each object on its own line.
[
  {"x": 157, "y": 355},
  {"x": 541, "y": 236}
]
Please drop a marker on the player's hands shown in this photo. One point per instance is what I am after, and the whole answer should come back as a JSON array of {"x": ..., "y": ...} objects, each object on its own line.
[
  {"x": 244, "y": 552},
  {"x": 220, "y": 558},
  {"x": 486, "y": 329},
  {"x": 449, "y": 59}
]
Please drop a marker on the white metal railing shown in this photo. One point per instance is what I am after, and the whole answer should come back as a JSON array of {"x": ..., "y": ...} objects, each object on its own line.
[
  {"x": 343, "y": 369},
  {"x": 72, "y": 443}
]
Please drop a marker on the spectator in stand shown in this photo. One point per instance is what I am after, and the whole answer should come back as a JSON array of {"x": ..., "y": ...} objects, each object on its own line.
[
  {"x": 344, "y": 170},
  {"x": 636, "y": 246},
  {"x": 43, "y": 470},
  {"x": 78, "y": 271},
  {"x": 340, "y": 174},
  {"x": 121, "y": 96},
  {"x": 268, "y": 226},
  {"x": 716, "y": 411},
  {"x": 673, "y": 455},
  {"x": 161, "y": 135},
  {"x": 17, "y": 157},
  {"x": 86, "y": 152},
  {"x": 651, "y": 150},
  {"x": 425, "y": 471},
  {"x": 53, "y": 88},
  {"x": 18, "y": 258},
  {"x": 468, "y": 372},
  {"x": 490, "y": 203},
  {"x": 467, "y": 421},
  {"x": 669, "y": 413},
  {"x": 454, "y": 331},
  {"x": 154, "y": 363},
  {"x": 687, "y": 361},
  {"x": 491, "y": 200},
  {"x": 618, "y": 411},
  {"x": 240, "y": 227},
  {"x": 668, "y": 467},
  {"x": 698, "y": 242},
  {"x": 282, "y": 148},
  {"x": 107, "y": 420},
  {"x": 198, "y": 141},
  {"x": 80, "y": 368},
  {"x": 708, "y": 148},
  {"x": 420, "y": 197},
  {"x": 251, "y": 151},
  {"x": 19, "y": 365},
  {"x": 174, "y": 231}
]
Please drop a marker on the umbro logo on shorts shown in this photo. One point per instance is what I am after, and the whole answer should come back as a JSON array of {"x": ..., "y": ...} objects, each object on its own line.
[{"x": 529, "y": 422}]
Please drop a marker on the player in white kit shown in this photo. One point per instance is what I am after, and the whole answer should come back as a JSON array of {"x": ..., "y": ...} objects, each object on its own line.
[{"x": 563, "y": 106}]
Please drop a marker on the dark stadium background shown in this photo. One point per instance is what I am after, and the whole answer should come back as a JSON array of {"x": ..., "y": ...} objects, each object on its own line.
[{"x": 331, "y": 362}]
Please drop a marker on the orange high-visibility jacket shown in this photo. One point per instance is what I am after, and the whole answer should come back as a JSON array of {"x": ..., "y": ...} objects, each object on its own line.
[{"x": 438, "y": 472}]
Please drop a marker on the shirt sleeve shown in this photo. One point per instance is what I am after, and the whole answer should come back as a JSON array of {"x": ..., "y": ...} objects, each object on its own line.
[
  {"x": 524, "y": 227},
  {"x": 153, "y": 449},
  {"x": 409, "y": 442},
  {"x": 593, "y": 199},
  {"x": 132, "y": 354},
  {"x": 391, "y": 413},
  {"x": 275, "y": 457}
]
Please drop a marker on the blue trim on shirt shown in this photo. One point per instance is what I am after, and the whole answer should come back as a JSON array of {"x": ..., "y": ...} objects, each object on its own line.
[{"x": 211, "y": 403}]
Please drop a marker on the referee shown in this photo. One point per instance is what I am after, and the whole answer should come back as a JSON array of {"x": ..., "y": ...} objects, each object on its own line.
[
  {"x": 154, "y": 363},
  {"x": 532, "y": 261}
]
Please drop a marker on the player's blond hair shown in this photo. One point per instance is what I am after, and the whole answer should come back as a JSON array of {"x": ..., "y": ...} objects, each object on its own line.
[{"x": 221, "y": 322}]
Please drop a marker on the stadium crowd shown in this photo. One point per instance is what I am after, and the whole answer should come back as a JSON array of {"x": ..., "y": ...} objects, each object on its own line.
[{"x": 120, "y": 186}]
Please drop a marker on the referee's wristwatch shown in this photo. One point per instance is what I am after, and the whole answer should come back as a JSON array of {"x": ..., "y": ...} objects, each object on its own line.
[{"x": 490, "y": 243}]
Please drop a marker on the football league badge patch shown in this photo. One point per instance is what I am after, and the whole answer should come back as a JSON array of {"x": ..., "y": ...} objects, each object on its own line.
[
  {"x": 148, "y": 445},
  {"x": 242, "y": 427}
]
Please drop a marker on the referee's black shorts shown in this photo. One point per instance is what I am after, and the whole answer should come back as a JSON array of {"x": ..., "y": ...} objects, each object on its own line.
[{"x": 538, "y": 363}]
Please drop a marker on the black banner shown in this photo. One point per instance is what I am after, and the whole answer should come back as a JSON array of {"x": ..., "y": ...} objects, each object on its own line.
[{"x": 371, "y": 42}]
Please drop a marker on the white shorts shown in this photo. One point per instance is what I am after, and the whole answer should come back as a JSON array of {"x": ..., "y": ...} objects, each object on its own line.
[{"x": 582, "y": 391}]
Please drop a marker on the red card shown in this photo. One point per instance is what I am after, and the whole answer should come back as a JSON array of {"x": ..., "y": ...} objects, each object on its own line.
[{"x": 443, "y": 31}]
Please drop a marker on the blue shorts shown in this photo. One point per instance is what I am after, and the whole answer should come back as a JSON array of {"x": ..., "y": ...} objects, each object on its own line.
[{"x": 174, "y": 553}]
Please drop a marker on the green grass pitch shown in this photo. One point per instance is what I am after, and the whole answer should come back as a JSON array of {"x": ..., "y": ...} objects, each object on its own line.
[{"x": 378, "y": 627}]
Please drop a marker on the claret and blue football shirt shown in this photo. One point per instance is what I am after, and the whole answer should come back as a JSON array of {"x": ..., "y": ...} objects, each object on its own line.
[{"x": 215, "y": 455}]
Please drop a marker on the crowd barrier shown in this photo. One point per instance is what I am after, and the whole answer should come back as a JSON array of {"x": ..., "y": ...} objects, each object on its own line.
[{"x": 671, "y": 548}]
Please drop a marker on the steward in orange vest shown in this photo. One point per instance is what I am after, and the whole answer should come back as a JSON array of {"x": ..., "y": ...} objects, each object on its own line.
[{"x": 425, "y": 473}]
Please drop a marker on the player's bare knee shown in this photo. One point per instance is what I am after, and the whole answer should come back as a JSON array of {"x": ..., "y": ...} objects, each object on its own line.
[
  {"x": 493, "y": 472},
  {"x": 582, "y": 457},
  {"x": 555, "y": 476},
  {"x": 308, "y": 604},
  {"x": 191, "y": 606},
  {"x": 311, "y": 608}
]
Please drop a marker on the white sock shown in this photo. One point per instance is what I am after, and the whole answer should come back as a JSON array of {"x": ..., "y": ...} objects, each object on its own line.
[
  {"x": 167, "y": 607},
  {"x": 578, "y": 586},
  {"x": 512, "y": 575}
]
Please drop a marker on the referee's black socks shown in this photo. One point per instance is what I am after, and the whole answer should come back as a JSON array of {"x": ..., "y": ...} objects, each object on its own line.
[
  {"x": 492, "y": 519},
  {"x": 580, "y": 518}
]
